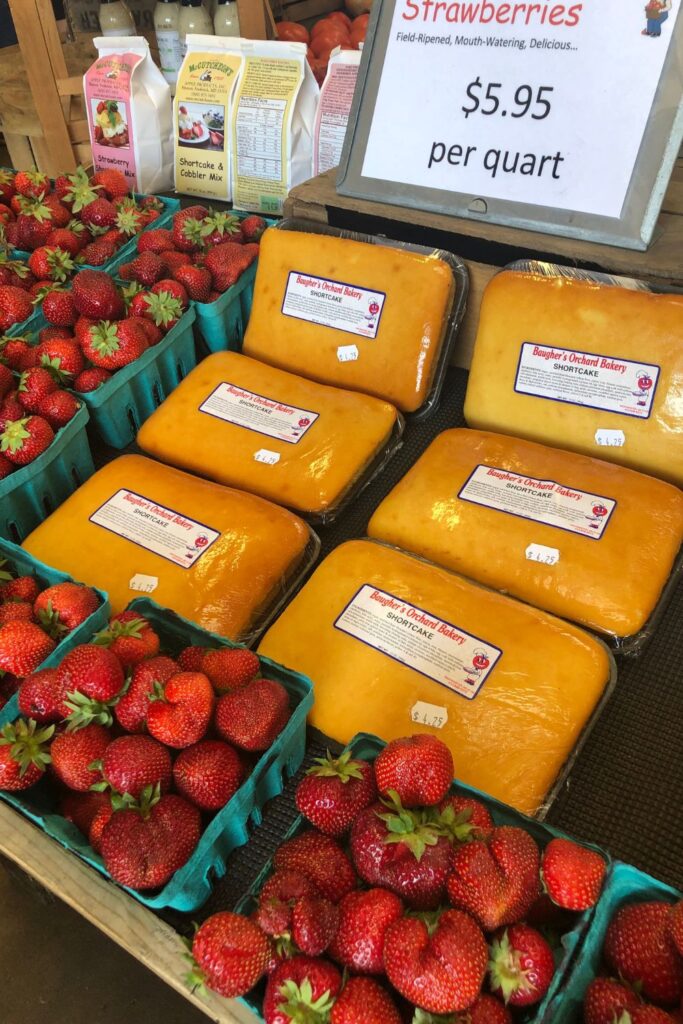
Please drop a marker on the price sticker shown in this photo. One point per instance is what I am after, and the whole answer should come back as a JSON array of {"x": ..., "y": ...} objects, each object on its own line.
[
  {"x": 610, "y": 438},
  {"x": 347, "y": 353},
  {"x": 270, "y": 458},
  {"x": 541, "y": 553},
  {"x": 433, "y": 715},
  {"x": 143, "y": 584}
]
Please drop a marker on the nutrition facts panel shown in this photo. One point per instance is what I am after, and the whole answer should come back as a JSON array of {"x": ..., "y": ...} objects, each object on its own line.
[{"x": 259, "y": 137}]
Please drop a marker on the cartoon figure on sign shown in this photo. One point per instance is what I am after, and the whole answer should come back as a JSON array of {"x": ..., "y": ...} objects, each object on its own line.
[
  {"x": 304, "y": 421},
  {"x": 480, "y": 662},
  {"x": 644, "y": 386},
  {"x": 201, "y": 541},
  {"x": 656, "y": 13},
  {"x": 598, "y": 513},
  {"x": 373, "y": 310}
]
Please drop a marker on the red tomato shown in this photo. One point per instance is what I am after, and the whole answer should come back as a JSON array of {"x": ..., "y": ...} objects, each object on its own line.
[
  {"x": 362, "y": 19},
  {"x": 325, "y": 25},
  {"x": 358, "y": 35},
  {"x": 291, "y": 32},
  {"x": 339, "y": 16},
  {"x": 327, "y": 41},
  {"x": 319, "y": 69}
]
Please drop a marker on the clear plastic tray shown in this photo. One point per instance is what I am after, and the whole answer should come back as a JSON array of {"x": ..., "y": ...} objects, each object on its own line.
[{"x": 456, "y": 312}]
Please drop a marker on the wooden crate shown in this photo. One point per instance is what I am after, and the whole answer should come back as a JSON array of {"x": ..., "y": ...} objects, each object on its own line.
[
  {"x": 304, "y": 10},
  {"x": 487, "y": 247}
]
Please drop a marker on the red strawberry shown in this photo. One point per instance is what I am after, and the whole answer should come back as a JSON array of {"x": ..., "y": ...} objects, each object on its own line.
[
  {"x": 131, "y": 763},
  {"x": 59, "y": 309},
  {"x": 321, "y": 859},
  {"x": 277, "y": 899},
  {"x": 23, "y": 647},
  {"x": 34, "y": 228},
  {"x": 23, "y": 588},
  {"x": 252, "y": 228},
  {"x": 363, "y": 1001},
  {"x": 144, "y": 848},
  {"x": 521, "y": 965},
  {"x": 252, "y": 717},
  {"x": 33, "y": 184},
  {"x": 64, "y": 606},
  {"x": 83, "y": 329},
  {"x": 6, "y": 380},
  {"x": 441, "y": 970},
  {"x": 231, "y": 954},
  {"x": 150, "y": 330},
  {"x": 112, "y": 182},
  {"x": 365, "y": 918},
  {"x": 220, "y": 227},
  {"x": 572, "y": 874},
  {"x": 90, "y": 677},
  {"x": 73, "y": 753},
  {"x": 58, "y": 408},
  {"x": 648, "y": 1015},
  {"x": 113, "y": 345},
  {"x": 15, "y": 306},
  {"x": 96, "y": 296},
  {"x": 496, "y": 882},
  {"x": 38, "y": 697},
  {"x": 172, "y": 260},
  {"x": 418, "y": 768},
  {"x": 301, "y": 989},
  {"x": 34, "y": 385},
  {"x": 14, "y": 351},
  {"x": 314, "y": 924},
  {"x": 190, "y": 659},
  {"x": 676, "y": 926},
  {"x": 208, "y": 774},
  {"x": 7, "y": 189},
  {"x": 639, "y": 948},
  {"x": 6, "y": 466},
  {"x": 97, "y": 253},
  {"x": 146, "y": 268},
  {"x": 97, "y": 825},
  {"x": 81, "y": 809},
  {"x": 162, "y": 309},
  {"x": 195, "y": 280},
  {"x": 100, "y": 213},
  {"x": 393, "y": 848},
  {"x": 65, "y": 239},
  {"x": 485, "y": 1010},
  {"x": 228, "y": 668},
  {"x": 169, "y": 286},
  {"x": 23, "y": 754},
  {"x": 51, "y": 264},
  {"x": 16, "y": 611},
  {"x": 52, "y": 332},
  {"x": 335, "y": 791},
  {"x": 180, "y": 712},
  {"x": 465, "y": 818},
  {"x": 61, "y": 356},
  {"x": 130, "y": 637},
  {"x": 187, "y": 228},
  {"x": 227, "y": 263},
  {"x": 131, "y": 710},
  {"x": 24, "y": 440},
  {"x": 91, "y": 379},
  {"x": 606, "y": 1000},
  {"x": 156, "y": 240},
  {"x": 59, "y": 213}
]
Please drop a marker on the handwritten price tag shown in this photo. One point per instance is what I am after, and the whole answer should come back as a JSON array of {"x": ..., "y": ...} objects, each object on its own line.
[
  {"x": 143, "y": 584},
  {"x": 347, "y": 353},
  {"x": 610, "y": 438},
  {"x": 541, "y": 553},
  {"x": 432, "y": 715},
  {"x": 270, "y": 458}
]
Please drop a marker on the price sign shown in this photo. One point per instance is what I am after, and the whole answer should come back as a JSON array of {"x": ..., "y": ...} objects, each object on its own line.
[{"x": 535, "y": 112}]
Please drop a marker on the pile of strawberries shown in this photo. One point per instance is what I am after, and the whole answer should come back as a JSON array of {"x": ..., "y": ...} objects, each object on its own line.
[
  {"x": 643, "y": 957},
  {"x": 141, "y": 744},
  {"x": 24, "y": 284},
  {"x": 33, "y": 620},
  {"x": 405, "y": 902},
  {"x": 205, "y": 251}
]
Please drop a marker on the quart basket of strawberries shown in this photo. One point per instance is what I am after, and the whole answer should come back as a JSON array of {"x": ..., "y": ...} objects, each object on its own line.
[
  {"x": 400, "y": 896},
  {"x": 43, "y": 612},
  {"x": 148, "y": 750}
]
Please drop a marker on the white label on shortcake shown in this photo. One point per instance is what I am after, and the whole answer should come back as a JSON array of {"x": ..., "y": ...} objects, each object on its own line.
[
  {"x": 163, "y": 531},
  {"x": 542, "y": 501},
  {"x": 259, "y": 413},
  {"x": 336, "y": 304},
  {"x": 587, "y": 378},
  {"x": 270, "y": 458},
  {"x": 347, "y": 353},
  {"x": 542, "y": 553},
  {"x": 414, "y": 637},
  {"x": 143, "y": 583},
  {"x": 610, "y": 438},
  {"x": 433, "y": 715}
]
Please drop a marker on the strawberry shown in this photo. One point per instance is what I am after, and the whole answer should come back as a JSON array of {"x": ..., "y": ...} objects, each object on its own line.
[
  {"x": 97, "y": 253},
  {"x": 23, "y": 588},
  {"x": 208, "y": 774},
  {"x": 278, "y": 898},
  {"x": 100, "y": 213},
  {"x": 321, "y": 859},
  {"x": 16, "y": 611},
  {"x": 606, "y": 1000},
  {"x": 7, "y": 189},
  {"x": 59, "y": 309},
  {"x": 6, "y": 380},
  {"x": 301, "y": 989},
  {"x": 418, "y": 768},
  {"x": 146, "y": 269},
  {"x": 521, "y": 965},
  {"x": 131, "y": 763},
  {"x": 97, "y": 825},
  {"x": 252, "y": 228},
  {"x": 24, "y": 440},
  {"x": 180, "y": 711},
  {"x": 34, "y": 385},
  {"x": 156, "y": 240},
  {"x": 363, "y": 1001},
  {"x": 91, "y": 379},
  {"x": 162, "y": 309},
  {"x": 398, "y": 850},
  {"x": 130, "y": 637},
  {"x": 34, "y": 228},
  {"x": 131, "y": 709},
  {"x": 187, "y": 228},
  {"x": 33, "y": 184},
  {"x": 195, "y": 280},
  {"x": 169, "y": 286},
  {"x": 49, "y": 263},
  {"x": 96, "y": 296},
  {"x": 335, "y": 791},
  {"x": 81, "y": 809},
  {"x": 23, "y": 647},
  {"x": 572, "y": 875},
  {"x": 497, "y": 882},
  {"x": 647, "y": 1015},
  {"x": 13, "y": 352},
  {"x": 676, "y": 926},
  {"x": 112, "y": 182},
  {"x": 639, "y": 948},
  {"x": 64, "y": 606},
  {"x": 365, "y": 918},
  {"x": 465, "y": 818},
  {"x": 440, "y": 969},
  {"x": 74, "y": 754},
  {"x": 231, "y": 954},
  {"x": 314, "y": 924},
  {"x": 191, "y": 659},
  {"x": 142, "y": 848},
  {"x": 15, "y": 306},
  {"x": 220, "y": 227},
  {"x": 23, "y": 754},
  {"x": 114, "y": 345},
  {"x": 53, "y": 332},
  {"x": 150, "y": 330},
  {"x": 228, "y": 668},
  {"x": 6, "y": 466},
  {"x": 62, "y": 357},
  {"x": 90, "y": 678},
  {"x": 59, "y": 213},
  {"x": 172, "y": 260},
  {"x": 252, "y": 717},
  {"x": 83, "y": 329},
  {"x": 66, "y": 240},
  {"x": 227, "y": 262},
  {"x": 38, "y": 697}
]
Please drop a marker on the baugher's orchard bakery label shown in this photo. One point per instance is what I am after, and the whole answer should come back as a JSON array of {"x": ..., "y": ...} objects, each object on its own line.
[
  {"x": 414, "y": 637},
  {"x": 337, "y": 304},
  {"x": 164, "y": 531},
  {"x": 257, "y": 412},
  {"x": 587, "y": 378},
  {"x": 542, "y": 501}
]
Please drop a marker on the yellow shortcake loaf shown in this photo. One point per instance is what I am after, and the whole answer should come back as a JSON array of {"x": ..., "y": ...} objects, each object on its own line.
[
  {"x": 395, "y": 645},
  {"x": 250, "y": 425},
  {"x": 367, "y": 317},
  {"x": 217, "y": 556},
  {"x": 582, "y": 365},
  {"x": 488, "y": 506}
]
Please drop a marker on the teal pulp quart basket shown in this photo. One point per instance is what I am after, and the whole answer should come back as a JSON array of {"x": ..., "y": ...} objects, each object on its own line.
[
  {"x": 624, "y": 884},
  {"x": 25, "y": 564},
  {"x": 229, "y": 828},
  {"x": 367, "y": 747}
]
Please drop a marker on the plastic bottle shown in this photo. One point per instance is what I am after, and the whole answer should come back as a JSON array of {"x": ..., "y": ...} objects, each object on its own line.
[
  {"x": 116, "y": 19},
  {"x": 167, "y": 27},
  {"x": 194, "y": 20},
  {"x": 226, "y": 21}
]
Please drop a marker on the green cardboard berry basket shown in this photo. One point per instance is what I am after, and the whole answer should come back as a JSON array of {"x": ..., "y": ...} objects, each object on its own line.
[
  {"x": 25, "y": 564},
  {"x": 191, "y": 885},
  {"x": 367, "y": 747},
  {"x": 625, "y": 884}
]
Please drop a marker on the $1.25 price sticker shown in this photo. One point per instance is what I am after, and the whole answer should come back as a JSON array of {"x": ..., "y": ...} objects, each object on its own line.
[{"x": 423, "y": 713}]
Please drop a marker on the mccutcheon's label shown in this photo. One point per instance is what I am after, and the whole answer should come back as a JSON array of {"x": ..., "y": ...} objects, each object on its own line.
[
  {"x": 542, "y": 501},
  {"x": 337, "y": 304},
  {"x": 420, "y": 640},
  {"x": 587, "y": 378},
  {"x": 158, "y": 529},
  {"x": 259, "y": 413}
]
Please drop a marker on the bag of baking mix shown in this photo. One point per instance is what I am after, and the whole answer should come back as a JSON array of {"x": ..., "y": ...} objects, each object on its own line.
[
  {"x": 128, "y": 104},
  {"x": 201, "y": 116},
  {"x": 334, "y": 107},
  {"x": 272, "y": 124}
]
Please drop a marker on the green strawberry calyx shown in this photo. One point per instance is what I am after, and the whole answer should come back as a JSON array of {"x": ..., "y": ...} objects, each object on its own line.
[
  {"x": 342, "y": 767},
  {"x": 14, "y": 436},
  {"x": 18, "y": 268},
  {"x": 129, "y": 220},
  {"x": 60, "y": 264},
  {"x": 164, "y": 308},
  {"x": 104, "y": 339},
  {"x": 192, "y": 230},
  {"x": 455, "y": 825},
  {"x": 54, "y": 366},
  {"x": 81, "y": 192},
  {"x": 298, "y": 1003},
  {"x": 85, "y": 710},
  {"x": 27, "y": 743},
  {"x": 50, "y": 621},
  {"x": 35, "y": 208},
  {"x": 412, "y": 828},
  {"x": 223, "y": 223},
  {"x": 5, "y": 574},
  {"x": 424, "y": 1017},
  {"x": 117, "y": 629},
  {"x": 505, "y": 969}
]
